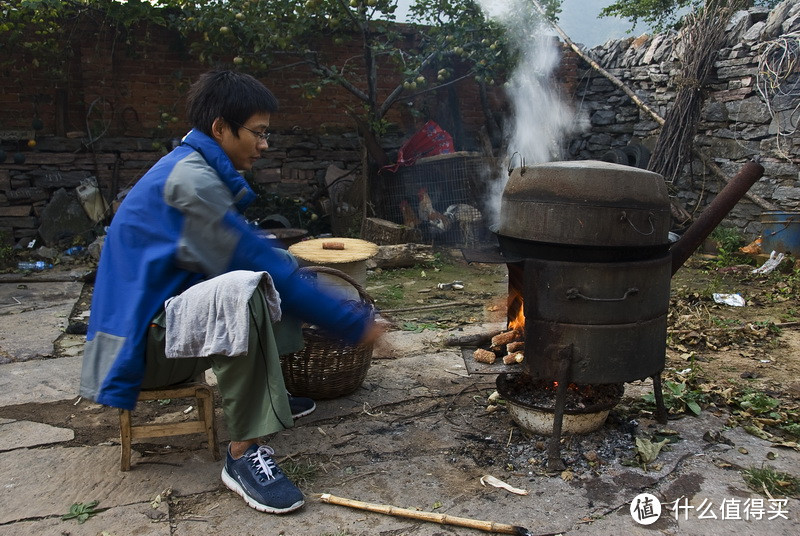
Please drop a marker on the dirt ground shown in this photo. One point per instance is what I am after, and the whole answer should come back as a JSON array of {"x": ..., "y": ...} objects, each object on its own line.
[{"x": 743, "y": 362}]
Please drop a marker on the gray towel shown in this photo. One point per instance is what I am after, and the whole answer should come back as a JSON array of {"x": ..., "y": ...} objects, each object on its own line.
[{"x": 211, "y": 318}]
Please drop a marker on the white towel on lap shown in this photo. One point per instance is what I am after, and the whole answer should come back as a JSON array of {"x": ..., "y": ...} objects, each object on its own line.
[{"x": 211, "y": 318}]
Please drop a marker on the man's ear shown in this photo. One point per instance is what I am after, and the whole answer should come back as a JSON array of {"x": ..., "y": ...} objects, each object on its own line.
[{"x": 218, "y": 127}]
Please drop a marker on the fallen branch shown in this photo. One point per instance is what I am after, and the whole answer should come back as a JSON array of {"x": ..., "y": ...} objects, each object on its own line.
[
  {"x": 731, "y": 328},
  {"x": 427, "y": 307},
  {"x": 476, "y": 339},
  {"x": 715, "y": 169},
  {"x": 442, "y": 519},
  {"x": 613, "y": 79},
  {"x": 707, "y": 160}
]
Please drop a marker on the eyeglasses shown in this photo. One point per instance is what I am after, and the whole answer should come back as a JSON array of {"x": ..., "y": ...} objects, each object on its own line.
[{"x": 264, "y": 136}]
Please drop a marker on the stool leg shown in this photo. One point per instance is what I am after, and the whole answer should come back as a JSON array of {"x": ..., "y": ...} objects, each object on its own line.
[
  {"x": 125, "y": 438},
  {"x": 205, "y": 410}
]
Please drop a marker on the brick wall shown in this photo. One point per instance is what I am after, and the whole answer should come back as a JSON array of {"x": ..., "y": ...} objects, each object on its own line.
[{"x": 102, "y": 119}]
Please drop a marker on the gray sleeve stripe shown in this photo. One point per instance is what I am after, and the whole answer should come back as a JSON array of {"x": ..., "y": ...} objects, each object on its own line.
[{"x": 205, "y": 245}]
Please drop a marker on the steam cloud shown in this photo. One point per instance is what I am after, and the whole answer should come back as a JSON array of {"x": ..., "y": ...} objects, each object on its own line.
[{"x": 540, "y": 121}]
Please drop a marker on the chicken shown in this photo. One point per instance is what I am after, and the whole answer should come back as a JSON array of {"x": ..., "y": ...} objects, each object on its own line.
[
  {"x": 409, "y": 218},
  {"x": 425, "y": 204},
  {"x": 467, "y": 217},
  {"x": 436, "y": 221},
  {"x": 439, "y": 221}
]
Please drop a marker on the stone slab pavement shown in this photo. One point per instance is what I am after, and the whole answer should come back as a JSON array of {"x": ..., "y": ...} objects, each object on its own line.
[{"x": 416, "y": 435}]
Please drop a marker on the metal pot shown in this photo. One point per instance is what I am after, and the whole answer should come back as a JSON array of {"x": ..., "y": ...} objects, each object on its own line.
[{"x": 585, "y": 203}]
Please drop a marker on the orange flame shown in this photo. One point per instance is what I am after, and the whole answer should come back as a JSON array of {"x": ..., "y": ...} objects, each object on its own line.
[
  {"x": 518, "y": 322},
  {"x": 515, "y": 303}
]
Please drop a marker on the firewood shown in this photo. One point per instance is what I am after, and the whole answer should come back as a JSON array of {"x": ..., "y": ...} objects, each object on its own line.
[
  {"x": 511, "y": 359},
  {"x": 484, "y": 356},
  {"x": 514, "y": 347},
  {"x": 476, "y": 339},
  {"x": 498, "y": 341}
]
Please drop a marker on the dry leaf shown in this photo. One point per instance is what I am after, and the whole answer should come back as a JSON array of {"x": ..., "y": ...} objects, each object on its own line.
[{"x": 497, "y": 483}]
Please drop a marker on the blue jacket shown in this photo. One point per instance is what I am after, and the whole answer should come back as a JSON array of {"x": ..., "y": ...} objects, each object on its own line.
[{"x": 180, "y": 224}]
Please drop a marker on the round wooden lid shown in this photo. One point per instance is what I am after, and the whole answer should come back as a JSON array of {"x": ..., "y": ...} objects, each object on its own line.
[{"x": 333, "y": 250}]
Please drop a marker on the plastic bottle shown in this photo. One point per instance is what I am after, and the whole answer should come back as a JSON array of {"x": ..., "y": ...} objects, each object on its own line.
[
  {"x": 73, "y": 250},
  {"x": 36, "y": 266}
]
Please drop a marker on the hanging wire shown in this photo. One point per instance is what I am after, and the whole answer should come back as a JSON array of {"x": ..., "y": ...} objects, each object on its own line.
[{"x": 778, "y": 82}]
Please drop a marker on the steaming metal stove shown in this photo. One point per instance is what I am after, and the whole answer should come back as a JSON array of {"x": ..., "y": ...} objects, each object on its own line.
[{"x": 590, "y": 263}]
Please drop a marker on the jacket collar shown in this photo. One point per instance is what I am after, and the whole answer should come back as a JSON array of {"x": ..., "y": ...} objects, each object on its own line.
[{"x": 243, "y": 194}]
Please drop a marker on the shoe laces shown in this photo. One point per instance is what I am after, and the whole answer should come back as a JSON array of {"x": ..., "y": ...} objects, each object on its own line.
[{"x": 263, "y": 463}]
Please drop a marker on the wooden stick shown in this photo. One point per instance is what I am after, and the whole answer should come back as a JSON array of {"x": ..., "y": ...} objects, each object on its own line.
[
  {"x": 596, "y": 66},
  {"x": 428, "y": 307},
  {"x": 709, "y": 163},
  {"x": 443, "y": 519}
]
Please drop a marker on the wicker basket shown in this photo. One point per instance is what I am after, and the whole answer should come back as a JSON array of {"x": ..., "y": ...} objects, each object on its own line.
[{"x": 325, "y": 367}]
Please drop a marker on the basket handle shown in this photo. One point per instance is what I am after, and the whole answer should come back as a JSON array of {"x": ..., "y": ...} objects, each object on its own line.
[{"x": 340, "y": 274}]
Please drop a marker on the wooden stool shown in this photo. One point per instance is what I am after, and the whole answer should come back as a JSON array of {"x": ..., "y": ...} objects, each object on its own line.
[{"x": 205, "y": 423}]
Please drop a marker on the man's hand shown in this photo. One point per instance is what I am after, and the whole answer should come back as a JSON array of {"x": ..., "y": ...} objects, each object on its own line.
[{"x": 374, "y": 332}]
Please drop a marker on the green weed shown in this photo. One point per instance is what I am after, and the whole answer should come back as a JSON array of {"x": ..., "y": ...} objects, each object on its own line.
[
  {"x": 729, "y": 240},
  {"x": 768, "y": 481},
  {"x": 679, "y": 397},
  {"x": 301, "y": 473}
]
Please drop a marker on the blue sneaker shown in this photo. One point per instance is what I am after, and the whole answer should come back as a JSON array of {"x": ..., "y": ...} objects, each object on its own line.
[
  {"x": 301, "y": 406},
  {"x": 260, "y": 482}
]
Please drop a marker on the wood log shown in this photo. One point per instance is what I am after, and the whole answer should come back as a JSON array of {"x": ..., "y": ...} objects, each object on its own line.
[
  {"x": 502, "y": 339},
  {"x": 484, "y": 356},
  {"x": 385, "y": 232},
  {"x": 512, "y": 359},
  {"x": 401, "y": 255},
  {"x": 514, "y": 347},
  {"x": 476, "y": 339}
]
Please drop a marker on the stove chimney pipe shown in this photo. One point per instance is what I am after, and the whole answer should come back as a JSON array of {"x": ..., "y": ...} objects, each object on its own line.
[{"x": 708, "y": 220}]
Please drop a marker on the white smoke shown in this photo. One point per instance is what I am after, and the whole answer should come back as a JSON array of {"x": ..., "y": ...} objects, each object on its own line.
[{"x": 539, "y": 120}]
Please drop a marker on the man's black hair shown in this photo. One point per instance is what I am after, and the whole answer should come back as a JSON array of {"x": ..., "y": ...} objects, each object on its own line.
[{"x": 231, "y": 95}]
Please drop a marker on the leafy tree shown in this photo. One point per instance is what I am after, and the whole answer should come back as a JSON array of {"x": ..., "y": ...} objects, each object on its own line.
[
  {"x": 662, "y": 14},
  {"x": 41, "y": 31},
  {"x": 451, "y": 40}
]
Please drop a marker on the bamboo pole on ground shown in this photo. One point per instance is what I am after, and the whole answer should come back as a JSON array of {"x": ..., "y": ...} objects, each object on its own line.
[{"x": 442, "y": 519}]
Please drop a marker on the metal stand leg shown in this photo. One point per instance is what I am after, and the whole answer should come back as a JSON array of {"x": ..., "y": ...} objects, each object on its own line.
[
  {"x": 661, "y": 410},
  {"x": 554, "y": 462}
]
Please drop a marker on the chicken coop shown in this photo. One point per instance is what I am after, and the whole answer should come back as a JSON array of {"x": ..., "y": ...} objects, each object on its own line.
[{"x": 443, "y": 197}]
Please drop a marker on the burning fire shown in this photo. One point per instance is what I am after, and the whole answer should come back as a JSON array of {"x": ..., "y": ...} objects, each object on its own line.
[
  {"x": 517, "y": 323},
  {"x": 516, "y": 309}
]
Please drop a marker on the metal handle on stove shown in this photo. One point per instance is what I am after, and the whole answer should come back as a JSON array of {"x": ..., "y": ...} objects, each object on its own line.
[
  {"x": 575, "y": 293},
  {"x": 624, "y": 217}
]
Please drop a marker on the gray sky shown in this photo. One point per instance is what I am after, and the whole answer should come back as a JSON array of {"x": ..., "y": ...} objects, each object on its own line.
[{"x": 579, "y": 20}]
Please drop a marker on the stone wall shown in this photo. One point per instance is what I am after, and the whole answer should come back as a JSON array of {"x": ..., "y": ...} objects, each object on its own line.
[{"x": 747, "y": 113}]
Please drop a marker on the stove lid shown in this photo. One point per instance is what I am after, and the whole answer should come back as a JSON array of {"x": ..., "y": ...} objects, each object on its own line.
[{"x": 586, "y": 203}]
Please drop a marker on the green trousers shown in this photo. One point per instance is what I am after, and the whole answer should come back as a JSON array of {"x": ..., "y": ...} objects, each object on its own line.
[{"x": 254, "y": 397}]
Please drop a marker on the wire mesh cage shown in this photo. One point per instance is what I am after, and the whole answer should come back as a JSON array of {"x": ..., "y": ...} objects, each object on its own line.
[{"x": 442, "y": 196}]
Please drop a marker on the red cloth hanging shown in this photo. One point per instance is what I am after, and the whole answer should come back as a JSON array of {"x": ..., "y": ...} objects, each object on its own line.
[{"x": 429, "y": 141}]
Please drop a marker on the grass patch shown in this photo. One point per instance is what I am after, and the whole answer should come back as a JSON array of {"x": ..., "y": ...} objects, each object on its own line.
[
  {"x": 768, "y": 481},
  {"x": 300, "y": 473},
  {"x": 729, "y": 240}
]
